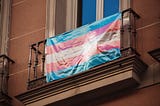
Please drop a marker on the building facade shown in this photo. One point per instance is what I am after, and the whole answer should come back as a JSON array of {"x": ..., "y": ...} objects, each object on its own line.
[{"x": 28, "y": 22}]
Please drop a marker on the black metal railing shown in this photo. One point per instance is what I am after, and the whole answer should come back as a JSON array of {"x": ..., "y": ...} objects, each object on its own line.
[
  {"x": 36, "y": 65},
  {"x": 128, "y": 32},
  {"x": 5, "y": 62}
]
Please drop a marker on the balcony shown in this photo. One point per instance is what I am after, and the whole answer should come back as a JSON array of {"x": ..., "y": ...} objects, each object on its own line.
[
  {"x": 5, "y": 61},
  {"x": 103, "y": 80}
]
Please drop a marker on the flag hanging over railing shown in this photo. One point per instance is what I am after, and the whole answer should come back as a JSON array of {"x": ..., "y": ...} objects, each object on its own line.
[{"x": 83, "y": 48}]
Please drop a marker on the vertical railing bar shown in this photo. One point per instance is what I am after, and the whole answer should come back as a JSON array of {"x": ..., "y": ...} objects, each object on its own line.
[
  {"x": 36, "y": 60},
  {"x": 2, "y": 72},
  {"x": 34, "y": 64},
  {"x": 122, "y": 31},
  {"x": 134, "y": 31},
  {"x": 34, "y": 67},
  {"x": 7, "y": 76},
  {"x": 129, "y": 30},
  {"x": 29, "y": 64},
  {"x": 43, "y": 58}
]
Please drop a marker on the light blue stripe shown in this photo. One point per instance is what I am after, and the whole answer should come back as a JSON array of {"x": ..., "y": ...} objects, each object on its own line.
[
  {"x": 93, "y": 61},
  {"x": 81, "y": 30}
]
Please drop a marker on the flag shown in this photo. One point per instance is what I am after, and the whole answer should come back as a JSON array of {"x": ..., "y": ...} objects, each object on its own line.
[{"x": 81, "y": 49}]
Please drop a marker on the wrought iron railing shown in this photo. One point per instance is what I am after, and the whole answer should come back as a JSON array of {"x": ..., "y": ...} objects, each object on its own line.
[
  {"x": 4, "y": 75},
  {"x": 36, "y": 65}
]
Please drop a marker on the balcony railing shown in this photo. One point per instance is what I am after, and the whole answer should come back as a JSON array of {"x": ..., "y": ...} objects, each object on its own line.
[
  {"x": 90, "y": 85},
  {"x": 4, "y": 75},
  {"x": 36, "y": 65}
]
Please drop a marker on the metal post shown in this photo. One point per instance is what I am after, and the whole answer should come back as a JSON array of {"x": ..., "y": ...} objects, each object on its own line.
[
  {"x": 29, "y": 64},
  {"x": 2, "y": 73},
  {"x": 36, "y": 61},
  {"x": 122, "y": 31},
  {"x": 134, "y": 33},
  {"x": 129, "y": 30},
  {"x": 43, "y": 58}
]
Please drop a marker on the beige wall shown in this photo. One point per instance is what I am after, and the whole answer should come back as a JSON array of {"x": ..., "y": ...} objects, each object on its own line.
[{"x": 27, "y": 27}]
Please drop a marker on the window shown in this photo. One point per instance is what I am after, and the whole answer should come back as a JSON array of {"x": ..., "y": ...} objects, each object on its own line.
[
  {"x": 93, "y": 10},
  {"x": 65, "y": 15},
  {"x": 4, "y": 25},
  {"x": 110, "y": 7},
  {"x": 88, "y": 11},
  {"x": 61, "y": 16}
]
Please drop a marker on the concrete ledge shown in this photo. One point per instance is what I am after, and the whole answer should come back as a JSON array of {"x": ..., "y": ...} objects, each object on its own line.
[{"x": 102, "y": 80}]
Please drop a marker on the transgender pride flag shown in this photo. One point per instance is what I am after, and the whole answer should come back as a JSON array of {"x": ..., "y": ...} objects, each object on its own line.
[{"x": 83, "y": 48}]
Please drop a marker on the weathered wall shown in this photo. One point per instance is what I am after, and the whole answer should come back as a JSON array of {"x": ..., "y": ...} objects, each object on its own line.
[
  {"x": 148, "y": 27},
  {"x": 142, "y": 97},
  {"x": 27, "y": 27},
  {"x": 148, "y": 38}
]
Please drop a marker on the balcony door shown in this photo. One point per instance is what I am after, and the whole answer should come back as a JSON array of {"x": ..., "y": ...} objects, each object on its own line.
[{"x": 65, "y": 15}]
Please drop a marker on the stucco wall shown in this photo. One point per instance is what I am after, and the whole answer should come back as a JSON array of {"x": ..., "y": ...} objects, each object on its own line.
[
  {"x": 148, "y": 38},
  {"x": 27, "y": 27}
]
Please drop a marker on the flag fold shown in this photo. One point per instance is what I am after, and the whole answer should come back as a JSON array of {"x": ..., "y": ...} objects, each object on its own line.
[{"x": 83, "y": 48}]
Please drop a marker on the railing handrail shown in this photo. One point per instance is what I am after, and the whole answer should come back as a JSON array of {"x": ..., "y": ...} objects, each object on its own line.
[
  {"x": 132, "y": 11},
  {"x": 4, "y": 73},
  {"x": 5, "y": 56}
]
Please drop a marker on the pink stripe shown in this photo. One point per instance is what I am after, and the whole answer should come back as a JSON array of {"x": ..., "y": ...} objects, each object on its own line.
[
  {"x": 64, "y": 64},
  {"x": 60, "y": 65},
  {"x": 108, "y": 46},
  {"x": 83, "y": 39}
]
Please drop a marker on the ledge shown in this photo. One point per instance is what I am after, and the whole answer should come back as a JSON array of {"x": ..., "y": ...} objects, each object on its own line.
[
  {"x": 155, "y": 54},
  {"x": 102, "y": 80},
  {"x": 5, "y": 100}
]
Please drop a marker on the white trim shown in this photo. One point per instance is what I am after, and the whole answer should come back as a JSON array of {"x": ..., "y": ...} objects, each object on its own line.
[
  {"x": 124, "y": 4},
  {"x": 5, "y": 25},
  {"x": 99, "y": 9},
  {"x": 71, "y": 14},
  {"x": 50, "y": 18}
]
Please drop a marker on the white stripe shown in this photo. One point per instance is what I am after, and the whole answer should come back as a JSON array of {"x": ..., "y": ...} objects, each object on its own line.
[{"x": 71, "y": 52}]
